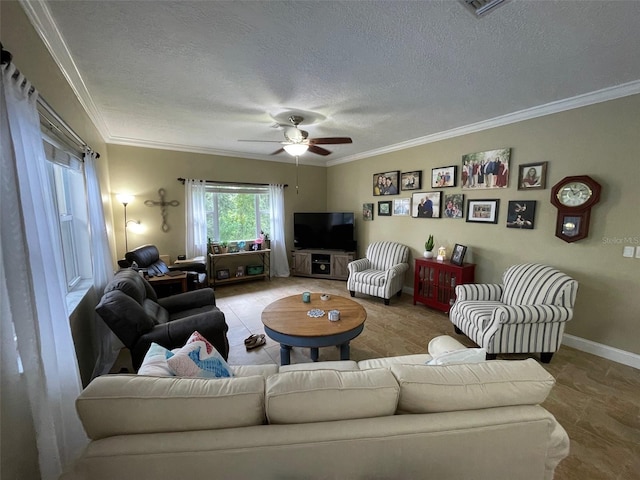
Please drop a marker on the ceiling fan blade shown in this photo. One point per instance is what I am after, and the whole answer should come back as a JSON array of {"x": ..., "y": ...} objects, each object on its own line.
[
  {"x": 280, "y": 150},
  {"x": 329, "y": 140},
  {"x": 319, "y": 150}
]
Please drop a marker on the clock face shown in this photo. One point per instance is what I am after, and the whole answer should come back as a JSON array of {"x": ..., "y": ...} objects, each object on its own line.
[{"x": 574, "y": 194}]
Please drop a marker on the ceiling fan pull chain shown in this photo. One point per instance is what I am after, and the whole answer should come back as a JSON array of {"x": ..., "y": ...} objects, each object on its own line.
[{"x": 296, "y": 174}]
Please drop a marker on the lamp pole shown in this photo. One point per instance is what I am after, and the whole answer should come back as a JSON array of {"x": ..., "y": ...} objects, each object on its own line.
[{"x": 126, "y": 240}]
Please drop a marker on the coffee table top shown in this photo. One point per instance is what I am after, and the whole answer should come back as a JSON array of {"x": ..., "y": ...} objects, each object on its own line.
[{"x": 288, "y": 316}]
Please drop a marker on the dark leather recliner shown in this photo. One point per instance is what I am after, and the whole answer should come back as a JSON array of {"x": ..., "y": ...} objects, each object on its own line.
[
  {"x": 132, "y": 310},
  {"x": 147, "y": 257}
]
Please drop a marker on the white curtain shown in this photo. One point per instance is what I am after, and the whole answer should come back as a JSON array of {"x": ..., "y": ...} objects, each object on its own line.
[
  {"x": 107, "y": 344},
  {"x": 33, "y": 293},
  {"x": 279, "y": 262},
  {"x": 196, "y": 226}
]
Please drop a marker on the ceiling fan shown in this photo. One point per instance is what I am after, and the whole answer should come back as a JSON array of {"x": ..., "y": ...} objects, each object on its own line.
[{"x": 297, "y": 141}]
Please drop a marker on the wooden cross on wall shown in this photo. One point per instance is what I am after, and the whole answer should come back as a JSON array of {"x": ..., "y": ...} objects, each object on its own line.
[{"x": 163, "y": 207}]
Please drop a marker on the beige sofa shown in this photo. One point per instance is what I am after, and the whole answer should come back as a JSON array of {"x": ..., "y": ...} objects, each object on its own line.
[{"x": 388, "y": 418}]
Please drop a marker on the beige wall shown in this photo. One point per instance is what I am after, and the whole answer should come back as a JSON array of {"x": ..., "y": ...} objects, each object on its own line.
[
  {"x": 143, "y": 171},
  {"x": 601, "y": 141}
]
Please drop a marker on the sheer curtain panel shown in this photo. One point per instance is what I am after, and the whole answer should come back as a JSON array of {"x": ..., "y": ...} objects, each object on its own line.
[
  {"x": 279, "y": 260},
  {"x": 196, "y": 227},
  {"x": 107, "y": 344},
  {"x": 33, "y": 291}
]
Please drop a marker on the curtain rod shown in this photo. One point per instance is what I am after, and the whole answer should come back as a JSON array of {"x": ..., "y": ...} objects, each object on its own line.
[
  {"x": 182, "y": 180},
  {"x": 62, "y": 127}
]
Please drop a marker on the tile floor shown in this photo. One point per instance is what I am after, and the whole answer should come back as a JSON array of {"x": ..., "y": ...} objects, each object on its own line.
[{"x": 596, "y": 400}]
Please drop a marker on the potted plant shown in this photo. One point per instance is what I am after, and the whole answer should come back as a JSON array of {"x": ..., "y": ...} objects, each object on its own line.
[
  {"x": 223, "y": 247},
  {"x": 428, "y": 247}
]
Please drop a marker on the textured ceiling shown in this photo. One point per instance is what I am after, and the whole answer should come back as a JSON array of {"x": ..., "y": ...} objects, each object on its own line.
[{"x": 201, "y": 75}]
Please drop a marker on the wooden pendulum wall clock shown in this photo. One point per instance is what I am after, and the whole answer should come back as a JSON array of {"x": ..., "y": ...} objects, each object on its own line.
[{"x": 574, "y": 197}]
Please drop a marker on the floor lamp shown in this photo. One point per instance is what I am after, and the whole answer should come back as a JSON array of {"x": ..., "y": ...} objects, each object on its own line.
[{"x": 126, "y": 200}]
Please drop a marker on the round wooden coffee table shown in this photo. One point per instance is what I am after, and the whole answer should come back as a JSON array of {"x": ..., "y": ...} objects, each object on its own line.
[{"x": 286, "y": 321}]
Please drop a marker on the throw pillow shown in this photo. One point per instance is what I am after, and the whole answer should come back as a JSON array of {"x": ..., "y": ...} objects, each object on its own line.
[
  {"x": 198, "y": 358},
  {"x": 465, "y": 355},
  {"x": 155, "y": 362}
]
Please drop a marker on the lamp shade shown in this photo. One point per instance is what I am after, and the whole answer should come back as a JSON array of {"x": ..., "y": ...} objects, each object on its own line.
[
  {"x": 295, "y": 149},
  {"x": 124, "y": 199}
]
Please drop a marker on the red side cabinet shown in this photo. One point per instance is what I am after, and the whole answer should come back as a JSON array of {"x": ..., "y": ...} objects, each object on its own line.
[{"x": 435, "y": 282}]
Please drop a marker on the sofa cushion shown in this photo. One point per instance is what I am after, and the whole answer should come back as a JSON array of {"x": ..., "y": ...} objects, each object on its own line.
[
  {"x": 129, "y": 404},
  {"x": 251, "y": 370},
  {"x": 342, "y": 365},
  {"x": 124, "y": 316},
  {"x": 198, "y": 358},
  {"x": 428, "y": 389},
  {"x": 415, "y": 359},
  {"x": 328, "y": 395},
  {"x": 370, "y": 277}
]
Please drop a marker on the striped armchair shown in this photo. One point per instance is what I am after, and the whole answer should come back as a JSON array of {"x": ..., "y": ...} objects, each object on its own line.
[
  {"x": 381, "y": 273},
  {"x": 525, "y": 314}
]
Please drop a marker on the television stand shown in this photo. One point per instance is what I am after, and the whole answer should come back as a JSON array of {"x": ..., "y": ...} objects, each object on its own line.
[{"x": 331, "y": 264}]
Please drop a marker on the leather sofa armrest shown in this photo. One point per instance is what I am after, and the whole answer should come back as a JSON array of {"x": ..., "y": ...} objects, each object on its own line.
[
  {"x": 192, "y": 299},
  {"x": 189, "y": 267}
]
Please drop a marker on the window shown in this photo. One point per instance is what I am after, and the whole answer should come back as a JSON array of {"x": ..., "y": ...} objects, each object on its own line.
[
  {"x": 237, "y": 212},
  {"x": 67, "y": 182}
]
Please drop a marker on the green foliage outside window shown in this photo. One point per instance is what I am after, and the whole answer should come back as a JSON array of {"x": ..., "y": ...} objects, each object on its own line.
[{"x": 232, "y": 217}]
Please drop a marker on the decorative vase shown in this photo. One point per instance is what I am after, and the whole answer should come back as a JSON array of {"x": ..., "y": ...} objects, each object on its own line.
[{"x": 427, "y": 254}]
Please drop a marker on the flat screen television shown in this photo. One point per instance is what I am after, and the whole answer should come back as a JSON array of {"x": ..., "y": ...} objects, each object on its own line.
[{"x": 324, "y": 230}]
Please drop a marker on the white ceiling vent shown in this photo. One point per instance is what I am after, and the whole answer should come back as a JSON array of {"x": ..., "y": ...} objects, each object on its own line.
[{"x": 482, "y": 7}]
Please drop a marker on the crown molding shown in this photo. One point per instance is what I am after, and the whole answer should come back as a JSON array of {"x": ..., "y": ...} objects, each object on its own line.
[
  {"x": 176, "y": 147},
  {"x": 40, "y": 17},
  {"x": 599, "y": 96}
]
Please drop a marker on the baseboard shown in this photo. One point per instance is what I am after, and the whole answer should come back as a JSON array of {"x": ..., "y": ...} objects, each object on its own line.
[{"x": 604, "y": 351}]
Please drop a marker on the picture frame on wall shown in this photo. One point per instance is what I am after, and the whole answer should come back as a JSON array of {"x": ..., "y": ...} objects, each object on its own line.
[
  {"x": 483, "y": 211},
  {"x": 532, "y": 176},
  {"x": 367, "y": 212},
  {"x": 384, "y": 208},
  {"x": 411, "y": 180},
  {"x": 386, "y": 183},
  {"x": 426, "y": 205},
  {"x": 457, "y": 257},
  {"x": 443, "y": 177},
  {"x": 485, "y": 170},
  {"x": 521, "y": 214},
  {"x": 453, "y": 206},
  {"x": 402, "y": 207}
]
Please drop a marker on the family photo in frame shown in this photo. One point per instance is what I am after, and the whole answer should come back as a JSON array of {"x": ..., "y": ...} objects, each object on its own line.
[
  {"x": 532, "y": 176},
  {"x": 457, "y": 257},
  {"x": 411, "y": 180},
  {"x": 443, "y": 177},
  {"x": 483, "y": 170},
  {"x": 386, "y": 183},
  {"x": 426, "y": 204},
  {"x": 483, "y": 211}
]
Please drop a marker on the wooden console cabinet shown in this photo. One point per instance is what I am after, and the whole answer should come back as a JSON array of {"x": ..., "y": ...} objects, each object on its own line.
[
  {"x": 435, "y": 282},
  {"x": 231, "y": 263},
  {"x": 330, "y": 264}
]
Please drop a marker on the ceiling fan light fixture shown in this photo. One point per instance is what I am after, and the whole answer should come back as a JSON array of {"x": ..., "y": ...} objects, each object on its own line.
[{"x": 296, "y": 149}]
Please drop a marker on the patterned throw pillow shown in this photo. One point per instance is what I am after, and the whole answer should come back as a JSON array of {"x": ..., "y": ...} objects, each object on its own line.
[
  {"x": 198, "y": 358},
  {"x": 155, "y": 362}
]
